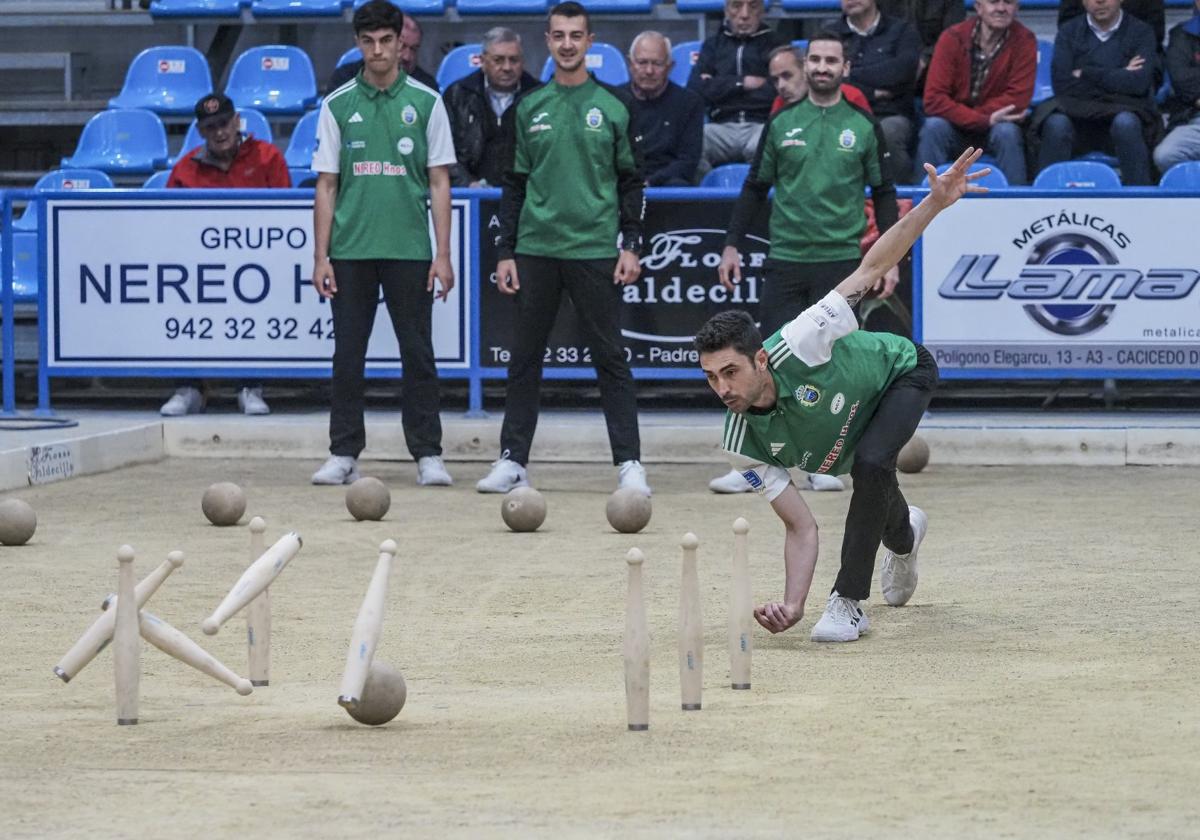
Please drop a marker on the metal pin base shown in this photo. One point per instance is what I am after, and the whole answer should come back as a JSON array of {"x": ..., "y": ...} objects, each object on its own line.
[
  {"x": 740, "y": 686},
  {"x": 259, "y": 683},
  {"x": 690, "y": 707},
  {"x": 638, "y": 727},
  {"x": 127, "y": 721}
]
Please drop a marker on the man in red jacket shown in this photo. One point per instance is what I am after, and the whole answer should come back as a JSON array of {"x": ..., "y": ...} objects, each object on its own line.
[{"x": 978, "y": 89}]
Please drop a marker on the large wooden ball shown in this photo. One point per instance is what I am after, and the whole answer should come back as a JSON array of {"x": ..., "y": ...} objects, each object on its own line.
[
  {"x": 628, "y": 510},
  {"x": 223, "y": 503},
  {"x": 368, "y": 498},
  {"x": 383, "y": 695},
  {"x": 523, "y": 509},
  {"x": 914, "y": 456},
  {"x": 18, "y": 521}
]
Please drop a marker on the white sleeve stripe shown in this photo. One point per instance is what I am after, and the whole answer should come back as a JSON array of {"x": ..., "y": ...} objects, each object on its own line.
[{"x": 779, "y": 354}]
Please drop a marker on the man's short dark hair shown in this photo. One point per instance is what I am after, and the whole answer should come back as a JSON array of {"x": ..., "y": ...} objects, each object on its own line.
[
  {"x": 731, "y": 328},
  {"x": 376, "y": 15},
  {"x": 828, "y": 36},
  {"x": 570, "y": 9}
]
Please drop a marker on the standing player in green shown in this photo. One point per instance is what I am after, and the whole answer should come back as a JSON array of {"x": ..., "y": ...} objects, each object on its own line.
[
  {"x": 819, "y": 153},
  {"x": 575, "y": 183},
  {"x": 822, "y": 396},
  {"x": 383, "y": 147}
]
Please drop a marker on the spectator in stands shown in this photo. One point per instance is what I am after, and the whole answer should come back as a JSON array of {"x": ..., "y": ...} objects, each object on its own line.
[
  {"x": 410, "y": 46},
  {"x": 882, "y": 53},
  {"x": 227, "y": 160},
  {"x": 787, "y": 74},
  {"x": 1183, "y": 66},
  {"x": 477, "y": 104},
  {"x": 668, "y": 118},
  {"x": 1152, "y": 12},
  {"x": 931, "y": 18},
  {"x": 1103, "y": 73},
  {"x": 731, "y": 77},
  {"x": 979, "y": 88}
]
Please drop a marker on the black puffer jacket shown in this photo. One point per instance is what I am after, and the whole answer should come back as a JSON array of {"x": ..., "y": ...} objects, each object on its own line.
[
  {"x": 483, "y": 149},
  {"x": 728, "y": 59}
]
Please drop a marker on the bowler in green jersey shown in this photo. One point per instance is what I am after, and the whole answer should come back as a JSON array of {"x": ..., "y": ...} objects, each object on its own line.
[{"x": 821, "y": 396}]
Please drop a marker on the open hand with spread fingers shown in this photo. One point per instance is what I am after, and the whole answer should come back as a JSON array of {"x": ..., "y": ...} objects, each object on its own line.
[{"x": 955, "y": 182}]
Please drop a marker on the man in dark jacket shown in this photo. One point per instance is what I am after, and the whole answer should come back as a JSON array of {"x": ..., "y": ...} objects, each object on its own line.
[
  {"x": 883, "y": 53},
  {"x": 477, "y": 104},
  {"x": 1152, "y": 12},
  {"x": 731, "y": 76},
  {"x": 931, "y": 18},
  {"x": 1103, "y": 75},
  {"x": 668, "y": 119},
  {"x": 410, "y": 45},
  {"x": 1183, "y": 66}
]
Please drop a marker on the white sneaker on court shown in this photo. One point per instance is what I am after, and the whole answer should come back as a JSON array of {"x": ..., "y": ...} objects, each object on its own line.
[
  {"x": 632, "y": 474},
  {"x": 505, "y": 476},
  {"x": 822, "y": 482},
  {"x": 898, "y": 574},
  {"x": 186, "y": 400},
  {"x": 842, "y": 621},
  {"x": 431, "y": 472},
  {"x": 337, "y": 469},
  {"x": 250, "y": 401},
  {"x": 731, "y": 482}
]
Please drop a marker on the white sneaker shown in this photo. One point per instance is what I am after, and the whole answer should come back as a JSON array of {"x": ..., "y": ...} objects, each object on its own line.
[
  {"x": 431, "y": 472},
  {"x": 731, "y": 482},
  {"x": 898, "y": 574},
  {"x": 250, "y": 401},
  {"x": 338, "y": 469},
  {"x": 632, "y": 474},
  {"x": 186, "y": 400},
  {"x": 842, "y": 621},
  {"x": 822, "y": 482},
  {"x": 505, "y": 476}
]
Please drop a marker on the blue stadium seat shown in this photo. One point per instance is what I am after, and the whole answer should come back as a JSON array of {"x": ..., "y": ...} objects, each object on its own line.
[
  {"x": 416, "y": 7},
  {"x": 349, "y": 57},
  {"x": 1043, "y": 89},
  {"x": 604, "y": 60},
  {"x": 688, "y": 6},
  {"x": 157, "y": 181},
  {"x": 252, "y": 122},
  {"x": 728, "y": 176},
  {"x": 25, "y": 265},
  {"x": 61, "y": 179},
  {"x": 198, "y": 8},
  {"x": 1078, "y": 174},
  {"x": 685, "y": 54},
  {"x": 501, "y": 7},
  {"x": 620, "y": 7},
  {"x": 302, "y": 177},
  {"x": 130, "y": 141},
  {"x": 297, "y": 8},
  {"x": 274, "y": 79},
  {"x": 994, "y": 180},
  {"x": 165, "y": 80},
  {"x": 1182, "y": 176},
  {"x": 459, "y": 62},
  {"x": 304, "y": 141}
]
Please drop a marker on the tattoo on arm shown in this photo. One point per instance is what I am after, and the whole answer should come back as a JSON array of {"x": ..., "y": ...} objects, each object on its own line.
[{"x": 854, "y": 297}]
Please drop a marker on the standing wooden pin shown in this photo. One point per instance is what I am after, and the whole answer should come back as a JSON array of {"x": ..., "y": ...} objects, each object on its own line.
[
  {"x": 691, "y": 629},
  {"x": 127, "y": 642},
  {"x": 367, "y": 628},
  {"x": 253, "y": 581},
  {"x": 258, "y": 616},
  {"x": 637, "y": 648},
  {"x": 741, "y": 610}
]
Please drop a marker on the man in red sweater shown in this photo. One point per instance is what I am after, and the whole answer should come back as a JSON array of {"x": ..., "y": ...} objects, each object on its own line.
[{"x": 978, "y": 89}]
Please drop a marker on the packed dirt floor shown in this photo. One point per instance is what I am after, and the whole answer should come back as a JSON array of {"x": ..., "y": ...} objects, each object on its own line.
[{"x": 1043, "y": 681}]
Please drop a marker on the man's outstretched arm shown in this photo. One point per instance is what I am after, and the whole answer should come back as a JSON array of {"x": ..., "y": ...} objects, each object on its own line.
[{"x": 799, "y": 561}]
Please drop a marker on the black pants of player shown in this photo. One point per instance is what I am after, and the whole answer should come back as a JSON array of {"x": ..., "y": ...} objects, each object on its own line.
[
  {"x": 878, "y": 512},
  {"x": 791, "y": 287},
  {"x": 597, "y": 301},
  {"x": 410, "y": 306}
]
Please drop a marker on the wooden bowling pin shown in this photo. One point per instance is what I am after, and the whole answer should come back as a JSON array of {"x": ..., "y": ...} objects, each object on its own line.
[
  {"x": 127, "y": 643},
  {"x": 741, "y": 610},
  {"x": 367, "y": 628},
  {"x": 173, "y": 642},
  {"x": 636, "y": 648},
  {"x": 253, "y": 581},
  {"x": 691, "y": 629},
  {"x": 258, "y": 616}
]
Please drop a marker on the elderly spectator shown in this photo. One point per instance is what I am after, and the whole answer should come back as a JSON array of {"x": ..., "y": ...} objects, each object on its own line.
[
  {"x": 882, "y": 52},
  {"x": 410, "y": 45},
  {"x": 731, "y": 76},
  {"x": 979, "y": 87},
  {"x": 477, "y": 104},
  {"x": 931, "y": 18},
  {"x": 668, "y": 119},
  {"x": 1183, "y": 66},
  {"x": 1103, "y": 75}
]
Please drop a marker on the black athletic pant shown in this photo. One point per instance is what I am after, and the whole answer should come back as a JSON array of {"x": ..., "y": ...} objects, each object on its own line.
[
  {"x": 410, "y": 307},
  {"x": 791, "y": 287},
  {"x": 597, "y": 301},
  {"x": 878, "y": 512}
]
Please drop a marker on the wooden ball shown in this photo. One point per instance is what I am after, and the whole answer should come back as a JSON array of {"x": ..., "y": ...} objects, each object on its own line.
[
  {"x": 914, "y": 456},
  {"x": 628, "y": 510},
  {"x": 223, "y": 503},
  {"x": 18, "y": 521},
  {"x": 523, "y": 509},
  {"x": 383, "y": 695},
  {"x": 368, "y": 498}
]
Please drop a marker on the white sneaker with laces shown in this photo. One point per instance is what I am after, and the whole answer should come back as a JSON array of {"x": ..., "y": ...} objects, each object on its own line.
[
  {"x": 898, "y": 574},
  {"x": 186, "y": 400},
  {"x": 731, "y": 482},
  {"x": 842, "y": 621},
  {"x": 250, "y": 401},
  {"x": 431, "y": 472},
  {"x": 632, "y": 474},
  {"x": 825, "y": 483},
  {"x": 505, "y": 475},
  {"x": 337, "y": 469}
]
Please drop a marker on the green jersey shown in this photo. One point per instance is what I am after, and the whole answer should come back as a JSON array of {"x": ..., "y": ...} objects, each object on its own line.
[
  {"x": 829, "y": 379},
  {"x": 576, "y": 176},
  {"x": 381, "y": 144}
]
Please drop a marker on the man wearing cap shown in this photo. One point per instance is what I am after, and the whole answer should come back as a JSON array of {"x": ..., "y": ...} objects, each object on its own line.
[{"x": 232, "y": 161}]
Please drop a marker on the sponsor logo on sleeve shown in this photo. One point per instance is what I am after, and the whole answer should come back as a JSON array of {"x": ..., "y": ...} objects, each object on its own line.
[{"x": 753, "y": 479}]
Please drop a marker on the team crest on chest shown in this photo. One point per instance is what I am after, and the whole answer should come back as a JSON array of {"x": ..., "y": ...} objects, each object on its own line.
[
  {"x": 594, "y": 119},
  {"x": 847, "y": 139},
  {"x": 808, "y": 395},
  {"x": 409, "y": 115}
]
